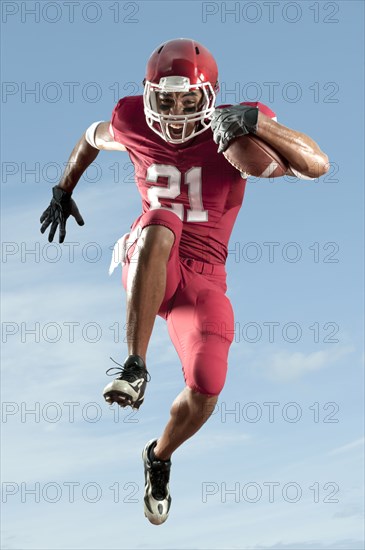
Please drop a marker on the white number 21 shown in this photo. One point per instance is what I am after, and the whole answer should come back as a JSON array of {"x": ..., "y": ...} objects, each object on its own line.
[{"x": 193, "y": 179}]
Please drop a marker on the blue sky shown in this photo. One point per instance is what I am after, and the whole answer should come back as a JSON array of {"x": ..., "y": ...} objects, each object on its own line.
[{"x": 279, "y": 464}]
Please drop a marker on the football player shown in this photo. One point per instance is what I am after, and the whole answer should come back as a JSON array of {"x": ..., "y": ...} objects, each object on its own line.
[{"x": 174, "y": 255}]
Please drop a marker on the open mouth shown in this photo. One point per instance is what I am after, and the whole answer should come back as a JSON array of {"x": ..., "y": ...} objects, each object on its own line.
[{"x": 176, "y": 130}]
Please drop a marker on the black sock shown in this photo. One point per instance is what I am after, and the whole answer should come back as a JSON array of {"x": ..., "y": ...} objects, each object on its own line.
[{"x": 152, "y": 456}]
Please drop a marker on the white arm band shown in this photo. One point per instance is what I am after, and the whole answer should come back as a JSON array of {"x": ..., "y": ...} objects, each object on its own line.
[{"x": 90, "y": 134}]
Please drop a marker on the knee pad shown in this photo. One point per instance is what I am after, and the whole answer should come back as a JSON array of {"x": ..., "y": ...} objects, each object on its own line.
[
  {"x": 214, "y": 323},
  {"x": 208, "y": 367}
]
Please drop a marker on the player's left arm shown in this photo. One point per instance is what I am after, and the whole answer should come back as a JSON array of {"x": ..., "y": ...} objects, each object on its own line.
[{"x": 302, "y": 153}]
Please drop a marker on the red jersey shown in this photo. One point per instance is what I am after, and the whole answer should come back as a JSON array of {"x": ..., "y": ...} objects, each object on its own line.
[{"x": 199, "y": 185}]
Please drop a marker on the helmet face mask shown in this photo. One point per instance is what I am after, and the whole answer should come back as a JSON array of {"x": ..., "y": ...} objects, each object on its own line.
[
  {"x": 160, "y": 122},
  {"x": 177, "y": 67}
]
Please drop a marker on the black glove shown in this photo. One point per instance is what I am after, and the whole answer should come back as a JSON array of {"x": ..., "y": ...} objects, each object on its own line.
[
  {"x": 232, "y": 122},
  {"x": 61, "y": 207}
]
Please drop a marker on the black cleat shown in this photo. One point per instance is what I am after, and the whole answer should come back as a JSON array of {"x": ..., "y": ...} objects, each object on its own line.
[
  {"x": 129, "y": 387},
  {"x": 157, "y": 499}
]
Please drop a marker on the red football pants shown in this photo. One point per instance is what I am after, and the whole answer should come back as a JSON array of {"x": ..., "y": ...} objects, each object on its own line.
[{"x": 198, "y": 313}]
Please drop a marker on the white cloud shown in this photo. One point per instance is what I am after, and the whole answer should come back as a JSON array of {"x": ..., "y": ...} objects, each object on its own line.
[
  {"x": 347, "y": 544},
  {"x": 209, "y": 441},
  {"x": 348, "y": 447},
  {"x": 286, "y": 365}
]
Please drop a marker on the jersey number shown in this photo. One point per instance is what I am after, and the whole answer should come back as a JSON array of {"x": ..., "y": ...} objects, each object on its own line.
[{"x": 193, "y": 178}]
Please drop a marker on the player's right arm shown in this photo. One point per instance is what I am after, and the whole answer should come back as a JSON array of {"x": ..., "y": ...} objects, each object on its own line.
[{"x": 97, "y": 137}]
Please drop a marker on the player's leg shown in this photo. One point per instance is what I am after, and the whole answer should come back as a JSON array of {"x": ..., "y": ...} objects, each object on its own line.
[
  {"x": 201, "y": 328},
  {"x": 152, "y": 254},
  {"x": 202, "y": 339},
  {"x": 146, "y": 285},
  {"x": 188, "y": 413}
]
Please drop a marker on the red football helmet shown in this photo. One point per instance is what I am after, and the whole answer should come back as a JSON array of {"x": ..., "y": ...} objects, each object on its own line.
[{"x": 180, "y": 65}]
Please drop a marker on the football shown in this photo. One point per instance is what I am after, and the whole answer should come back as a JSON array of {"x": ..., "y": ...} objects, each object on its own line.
[{"x": 255, "y": 157}]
